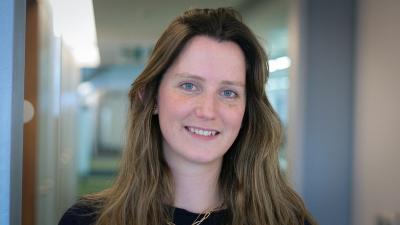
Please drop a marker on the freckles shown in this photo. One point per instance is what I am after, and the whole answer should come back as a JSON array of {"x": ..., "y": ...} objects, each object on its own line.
[
  {"x": 234, "y": 111},
  {"x": 179, "y": 99},
  {"x": 171, "y": 95},
  {"x": 235, "y": 107}
]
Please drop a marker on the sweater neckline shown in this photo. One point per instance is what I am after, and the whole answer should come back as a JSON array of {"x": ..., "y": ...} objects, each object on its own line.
[{"x": 181, "y": 211}]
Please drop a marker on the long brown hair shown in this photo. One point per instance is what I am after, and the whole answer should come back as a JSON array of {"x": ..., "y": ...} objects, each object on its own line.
[{"x": 254, "y": 190}]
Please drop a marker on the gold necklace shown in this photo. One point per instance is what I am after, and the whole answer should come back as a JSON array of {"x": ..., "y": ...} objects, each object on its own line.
[{"x": 198, "y": 221}]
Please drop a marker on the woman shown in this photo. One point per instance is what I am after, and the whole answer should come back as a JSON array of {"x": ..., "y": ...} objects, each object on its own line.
[{"x": 203, "y": 139}]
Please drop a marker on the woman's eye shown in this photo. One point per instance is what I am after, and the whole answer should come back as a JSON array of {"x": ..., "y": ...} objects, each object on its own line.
[
  {"x": 229, "y": 94},
  {"x": 188, "y": 86}
]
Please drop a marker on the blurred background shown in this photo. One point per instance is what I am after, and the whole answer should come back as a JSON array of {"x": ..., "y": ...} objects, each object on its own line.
[{"x": 334, "y": 81}]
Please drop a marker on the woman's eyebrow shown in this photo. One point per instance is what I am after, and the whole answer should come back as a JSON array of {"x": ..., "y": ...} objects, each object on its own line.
[
  {"x": 234, "y": 83},
  {"x": 191, "y": 76}
]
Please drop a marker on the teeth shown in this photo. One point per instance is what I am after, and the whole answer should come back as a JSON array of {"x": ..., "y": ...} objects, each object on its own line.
[{"x": 202, "y": 132}]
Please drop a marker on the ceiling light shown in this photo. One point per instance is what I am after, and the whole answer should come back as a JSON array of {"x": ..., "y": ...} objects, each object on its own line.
[
  {"x": 73, "y": 21},
  {"x": 280, "y": 63}
]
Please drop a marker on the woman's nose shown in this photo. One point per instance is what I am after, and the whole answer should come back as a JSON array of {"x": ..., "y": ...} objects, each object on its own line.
[{"x": 206, "y": 107}]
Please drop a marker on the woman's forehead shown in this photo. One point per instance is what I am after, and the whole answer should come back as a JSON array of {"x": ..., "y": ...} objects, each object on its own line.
[{"x": 206, "y": 57}]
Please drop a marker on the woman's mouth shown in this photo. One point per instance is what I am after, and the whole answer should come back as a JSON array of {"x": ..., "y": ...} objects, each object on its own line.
[{"x": 202, "y": 131}]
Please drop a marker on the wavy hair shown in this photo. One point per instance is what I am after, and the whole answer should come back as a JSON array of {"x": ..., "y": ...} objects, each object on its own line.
[{"x": 254, "y": 189}]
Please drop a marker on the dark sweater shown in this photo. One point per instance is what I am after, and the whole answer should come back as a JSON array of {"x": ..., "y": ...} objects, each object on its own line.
[{"x": 80, "y": 214}]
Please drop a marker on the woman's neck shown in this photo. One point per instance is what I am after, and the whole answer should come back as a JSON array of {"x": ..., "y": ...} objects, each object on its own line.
[{"x": 196, "y": 186}]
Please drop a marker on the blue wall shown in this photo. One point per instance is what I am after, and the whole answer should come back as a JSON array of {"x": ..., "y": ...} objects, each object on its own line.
[
  {"x": 328, "y": 122},
  {"x": 12, "y": 45}
]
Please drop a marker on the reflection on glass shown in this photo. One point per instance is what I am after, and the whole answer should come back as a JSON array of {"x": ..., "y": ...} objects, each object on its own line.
[{"x": 102, "y": 116}]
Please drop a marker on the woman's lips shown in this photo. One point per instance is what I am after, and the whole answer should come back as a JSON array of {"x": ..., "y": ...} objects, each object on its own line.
[{"x": 202, "y": 131}]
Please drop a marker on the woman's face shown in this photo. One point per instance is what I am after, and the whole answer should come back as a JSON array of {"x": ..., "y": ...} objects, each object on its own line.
[{"x": 201, "y": 101}]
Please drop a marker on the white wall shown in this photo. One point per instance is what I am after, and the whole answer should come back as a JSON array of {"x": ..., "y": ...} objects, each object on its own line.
[
  {"x": 57, "y": 143},
  {"x": 376, "y": 187}
]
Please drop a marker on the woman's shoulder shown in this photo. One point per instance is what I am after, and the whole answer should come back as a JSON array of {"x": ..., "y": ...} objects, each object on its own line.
[{"x": 81, "y": 213}]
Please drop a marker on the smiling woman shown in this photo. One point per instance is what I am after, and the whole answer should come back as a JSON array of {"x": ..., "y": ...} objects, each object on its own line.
[{"x": 203, "y": 139}]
